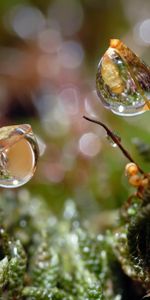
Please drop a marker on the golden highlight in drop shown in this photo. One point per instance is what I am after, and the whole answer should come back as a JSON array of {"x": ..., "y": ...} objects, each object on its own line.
[
  {"x": 24, "y": 164},
  {"x": 18, "y": 155},
  {"x": 110, "y": 75}
]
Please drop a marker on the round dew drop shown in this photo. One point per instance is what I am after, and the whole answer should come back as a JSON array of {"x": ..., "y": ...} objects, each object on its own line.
[
  {"x": 18, "y": 155},
  {"x": 123, "y": 81},
  {"x": 111, "y": 142}
]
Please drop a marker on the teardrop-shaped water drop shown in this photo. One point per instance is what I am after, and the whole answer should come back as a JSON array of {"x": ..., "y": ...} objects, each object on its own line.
[
  {"x": 123, "y": 81},
  {"x": 111, "y": 141},
  {"x": 18, "y": 155}
]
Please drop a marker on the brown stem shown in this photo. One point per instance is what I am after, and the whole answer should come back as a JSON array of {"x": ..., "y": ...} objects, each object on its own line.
[{"x": 116, "y": 141}]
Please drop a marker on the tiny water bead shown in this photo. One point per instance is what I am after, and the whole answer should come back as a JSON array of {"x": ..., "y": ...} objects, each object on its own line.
[
  {"x": 110, "y": 140},
  {"x": 123, "y": 81},
  {"x": 18, "y": 155}
]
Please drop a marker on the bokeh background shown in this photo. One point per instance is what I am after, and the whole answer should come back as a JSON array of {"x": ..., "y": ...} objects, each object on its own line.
[{"x": 49, "y": 51}]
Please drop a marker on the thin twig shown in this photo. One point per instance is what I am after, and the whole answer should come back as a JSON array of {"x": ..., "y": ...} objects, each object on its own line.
[{"x": 116, "y": 141}]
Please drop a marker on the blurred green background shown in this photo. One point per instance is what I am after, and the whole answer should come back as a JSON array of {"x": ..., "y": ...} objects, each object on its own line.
[{"x": 49, "y": 51}]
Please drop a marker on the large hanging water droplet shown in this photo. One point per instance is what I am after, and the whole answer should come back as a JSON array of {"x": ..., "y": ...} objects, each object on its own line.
[
  {"x": 18, "y": 155},
  {"x": 123, "y": 81}
]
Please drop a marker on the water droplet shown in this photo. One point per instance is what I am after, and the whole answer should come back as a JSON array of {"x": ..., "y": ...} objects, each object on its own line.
[
  {"x": 18, "y": 155},
  {"x": 123, "y": 81},
  {"x": 86, "y": 249},
  {"x": 111, "y": 142},
  {"x": 131, "y": 211}
]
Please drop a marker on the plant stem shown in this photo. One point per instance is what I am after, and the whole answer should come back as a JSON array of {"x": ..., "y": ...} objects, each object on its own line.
[{"x": 116, "y": 141}]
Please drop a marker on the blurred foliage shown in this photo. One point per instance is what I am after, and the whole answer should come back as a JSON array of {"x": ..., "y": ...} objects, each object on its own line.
[{"x": 43, "y": 257}]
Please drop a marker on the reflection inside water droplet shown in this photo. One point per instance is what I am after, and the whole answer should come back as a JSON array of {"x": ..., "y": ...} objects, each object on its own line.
[
  {"x": 123, "y": 81},
  {"x": 18, "y": 155},
  {"x": 111, "y": 142}
]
